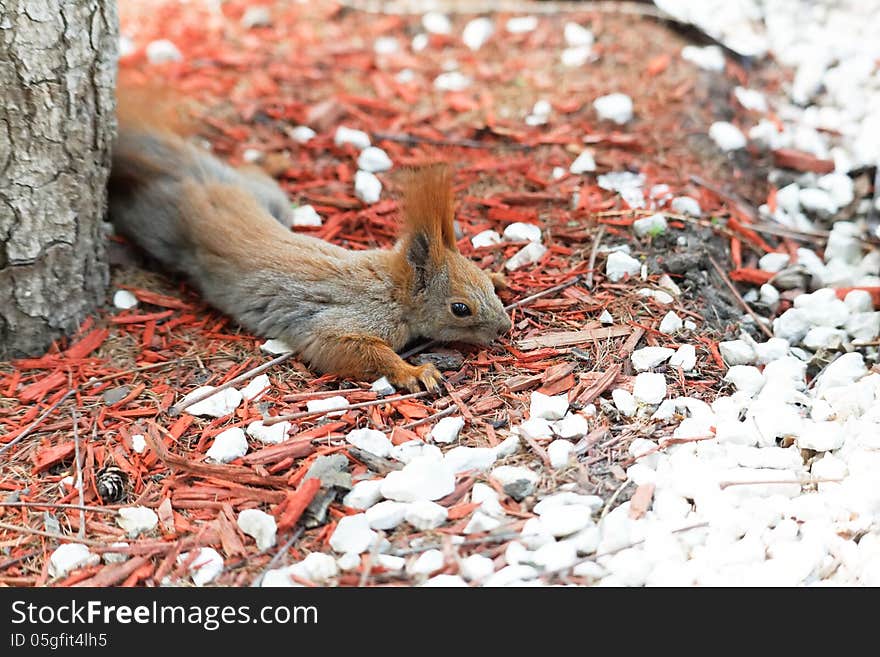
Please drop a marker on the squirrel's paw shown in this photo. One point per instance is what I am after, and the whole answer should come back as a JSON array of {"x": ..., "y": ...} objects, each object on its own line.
[{"x": 412, "y": 377}]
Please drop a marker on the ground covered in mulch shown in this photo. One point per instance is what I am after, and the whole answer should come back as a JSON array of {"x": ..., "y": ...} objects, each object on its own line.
[{"x": 315, "y": 64}]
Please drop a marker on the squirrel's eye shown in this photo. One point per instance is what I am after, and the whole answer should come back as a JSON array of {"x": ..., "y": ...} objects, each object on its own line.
[{"x": 460, "y": 310}]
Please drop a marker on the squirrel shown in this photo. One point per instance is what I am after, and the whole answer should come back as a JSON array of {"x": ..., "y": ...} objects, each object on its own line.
[{"x": 344, "y": 312}]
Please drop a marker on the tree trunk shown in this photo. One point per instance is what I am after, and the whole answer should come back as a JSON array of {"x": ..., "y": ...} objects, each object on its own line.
[{"x": 57, "y": 120}]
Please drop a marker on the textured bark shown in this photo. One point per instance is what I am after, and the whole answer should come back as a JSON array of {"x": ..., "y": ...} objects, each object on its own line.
[{"x": 57, "y": 80}]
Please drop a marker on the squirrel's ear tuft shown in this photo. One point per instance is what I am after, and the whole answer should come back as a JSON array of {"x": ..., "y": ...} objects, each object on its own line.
[
  {"x": 418, "y": 255},
  {"x": 429, "y": 207}
]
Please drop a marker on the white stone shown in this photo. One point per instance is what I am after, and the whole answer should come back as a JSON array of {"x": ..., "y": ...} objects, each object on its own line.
[
  {"x": 217, "y": 405},
  {"x": 425, "y": 515},
  {"x": 259, "y": 525},
  {"x": 821, "y": 436},
  {"x": 256, "y": 388},
  {"x": 271, "y": 435},
  {"x": 685, "y": 357},
  {"x": 374, "y": 160},
  {"x": 507, "y": 447},
  {"x": 751, "y": 99},
  {"x": 576, "y": 56},
  {"x": 327, "y": 404},
  {"x": 349, "y": 561},
  {"x": 647, "y": 358},
  {"x": 768, "y": 295},
  {"x": 138, "y": 443},
  {"x": 367, "y": 187},
  {"x": 257, "y": 16},
  {"x": 512, "y": 576},
  {"x": 559, "y": 452},
  {"x": 653, "y": 225},
  {"x": 522, "y": 232},
  {"x": 686, "y": 205},
  {"x": 357, "y": 138},
  {"x": 228, "y": 446},
  {"x": 162, "y": 51},
  {"x": 124, "y": 300},
  {"x": 488, "y": 499},
  {"x": 824, "y": 337},
  {"x": 481, "y": 522},
  {"x": 420, "y": 42},
  {"x": 70, "y": 556},
  {"x": 773, "y": 349},
  {"x": 829, "y": 467},
  {"x": 477, "y": 32},
  {"x": 205, "y": 566},
  {"x": 383, "y": 387},
  {"x": 521, "y": 24},
  {"x": 727, "y": 136},
  {"x": 446, "y": 430},
  {"x": 844, "y": 370},
  {"x": 649, "y": 388},
  {"x": 568, "y": 499},
  {"x": 606, "y": 318},
  {"x": 615, "y": 107},
  {"x": 275, "y": 347},
  {"x": 428, "y": 562},
  {"x": 564, "y": 520},
  {"x": 665, "y": 411},
  {"x": 788, "y": 198},
  {"x": 547, "y": 407},
  {"x": 583, "y": 163},
  {"x": 573, "y": 425},
  {"x": 386, "y": 515},
  {"x": 556, "y": 556},
  {"x": 774, "y": 262},
  {"x": 386, "y": 45},
  {"x": 302, "y": 134},
  {"x": 859, "y": 301},
  {"x": 485, "y": 238},
  {"x": 792, "y": 325},
  {"x": 476, "y": 567},
  {"x": 390, "y": 562},
  {"x": 137, "y": 520},
  {"x": 708, "y": 58},
  {"x": 746, "y": 378},
  {"x": 577, "y": 35},
  {"x": 423, "y": 478},
  {"x": 531, "y": 252},
  {"x": 840, "y": 186},
  {"x": 364, "y": 494},
  {"x": 659, "y": 296},
  {"x": 317, "y": 567},
  {"x": 411, "y": 449},
  {"x": 452, "y": 81},
  {"x": 352, "y": 534},
  {"x": 863, "y": 326},
  {"x": 463, "y": 459},
  {"x": 619, "y": 265},
  {"x": 306, "y": 216},
  {"x": 817, "y": 201},
  {"x": 370, "y": 440},
  {"x": 624, "y": 401},
  {"x": 436, "y": 23},
  {"x": 115, "y": 557},
  {"x": 671, "y": 323}
]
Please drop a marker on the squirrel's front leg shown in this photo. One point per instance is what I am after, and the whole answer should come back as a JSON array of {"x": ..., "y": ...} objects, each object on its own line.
[{"x": 368, "y": 357}]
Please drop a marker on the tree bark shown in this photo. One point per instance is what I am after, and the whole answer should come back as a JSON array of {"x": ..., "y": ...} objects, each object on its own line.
[{"x": 57, "y": 121}]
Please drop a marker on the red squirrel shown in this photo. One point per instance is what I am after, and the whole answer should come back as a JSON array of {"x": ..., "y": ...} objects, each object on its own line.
[{"x": 344, "y": 312}]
